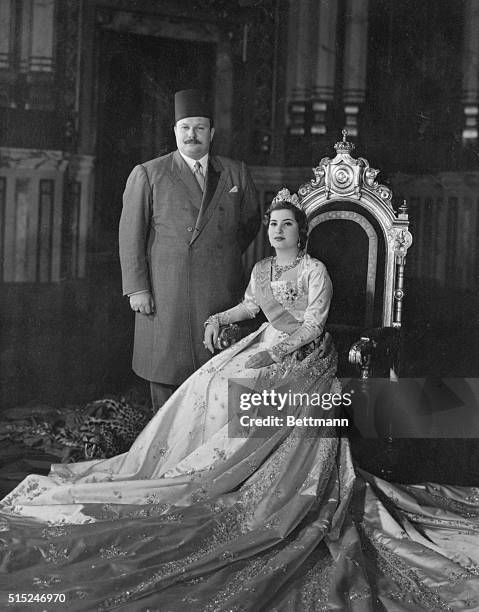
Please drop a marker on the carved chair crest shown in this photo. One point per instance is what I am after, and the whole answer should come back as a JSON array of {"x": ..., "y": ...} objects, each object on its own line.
[
  {"x": 349, "y": 179},
  {"x": 345, "y": 189}
]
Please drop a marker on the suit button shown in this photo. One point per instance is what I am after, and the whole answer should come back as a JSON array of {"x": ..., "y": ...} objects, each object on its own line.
[{"x": 189, "y": 229}]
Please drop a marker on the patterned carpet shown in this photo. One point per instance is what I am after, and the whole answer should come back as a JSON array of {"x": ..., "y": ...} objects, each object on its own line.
[{"x": 34, "y": 436}]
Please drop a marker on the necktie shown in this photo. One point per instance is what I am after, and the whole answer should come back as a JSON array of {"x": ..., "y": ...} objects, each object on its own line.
[{"x": 200, "y": 177}]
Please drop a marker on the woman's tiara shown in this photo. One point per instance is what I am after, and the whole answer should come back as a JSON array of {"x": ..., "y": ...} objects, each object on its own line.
[{"x": 284, "y": 195}]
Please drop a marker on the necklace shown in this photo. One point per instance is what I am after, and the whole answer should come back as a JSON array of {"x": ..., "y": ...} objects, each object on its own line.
[{"x": 279, "y": 270}]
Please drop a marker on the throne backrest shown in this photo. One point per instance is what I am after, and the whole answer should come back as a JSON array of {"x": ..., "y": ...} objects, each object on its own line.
[{"x": 355, "y": 230}]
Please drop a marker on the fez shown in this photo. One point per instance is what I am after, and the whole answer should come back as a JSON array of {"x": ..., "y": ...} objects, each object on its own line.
[{"x": 191, "y": 103}]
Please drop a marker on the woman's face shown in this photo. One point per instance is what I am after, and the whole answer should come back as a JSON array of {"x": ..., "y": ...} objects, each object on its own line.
[{"x": 283, "y": 230}]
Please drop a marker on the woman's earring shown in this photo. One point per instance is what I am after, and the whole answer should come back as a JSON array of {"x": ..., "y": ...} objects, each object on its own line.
[{"x": 299, "y": 242}]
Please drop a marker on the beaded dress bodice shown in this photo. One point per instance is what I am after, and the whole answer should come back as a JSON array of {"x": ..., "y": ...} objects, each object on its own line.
[{"x": 287, "y": 292}]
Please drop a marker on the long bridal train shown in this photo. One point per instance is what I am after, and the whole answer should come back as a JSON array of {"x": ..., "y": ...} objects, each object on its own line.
[{"x": 192, "y": 518}]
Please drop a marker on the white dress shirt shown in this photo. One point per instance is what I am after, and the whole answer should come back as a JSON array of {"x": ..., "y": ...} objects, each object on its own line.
[{"x": 191, "y": 162}]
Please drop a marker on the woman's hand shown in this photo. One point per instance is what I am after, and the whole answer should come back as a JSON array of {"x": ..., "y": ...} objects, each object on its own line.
[
  {"x": 260, "y": 360},
  {"x": 210, "y": 337}
]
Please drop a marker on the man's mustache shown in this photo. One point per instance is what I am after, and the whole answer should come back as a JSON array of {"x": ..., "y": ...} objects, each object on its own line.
[{"x": 192, "y": 141}]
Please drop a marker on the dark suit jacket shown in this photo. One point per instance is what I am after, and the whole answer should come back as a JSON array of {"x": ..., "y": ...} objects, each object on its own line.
[{"x": 186, "y": 248}]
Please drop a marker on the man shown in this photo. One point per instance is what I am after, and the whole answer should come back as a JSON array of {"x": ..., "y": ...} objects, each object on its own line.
[{"x": 187, "y": 218}]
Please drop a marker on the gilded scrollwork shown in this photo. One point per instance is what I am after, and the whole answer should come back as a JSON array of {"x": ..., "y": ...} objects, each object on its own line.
[
  {"x": 346, "y": 176},
  {"x": 318, "y": 180},
  {"x": 320, "y": 172},
  {"x": 369, "y": 176},
  {"x": 401, "y": 239},
  {"x": 342, "y": 178}
]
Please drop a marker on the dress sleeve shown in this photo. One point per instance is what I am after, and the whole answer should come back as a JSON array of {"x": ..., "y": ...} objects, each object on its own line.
[
  {"x": 247, "y": 309},
  {"x": 250, "y": 303},
  {"x": 320, "y": 291}
]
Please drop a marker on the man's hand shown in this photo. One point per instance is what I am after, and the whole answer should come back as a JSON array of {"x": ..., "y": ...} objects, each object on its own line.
[
  {"x": 260, "y": 360},
  {"x": 142, "y": 303},
  {"x": 211, "y": 336}
]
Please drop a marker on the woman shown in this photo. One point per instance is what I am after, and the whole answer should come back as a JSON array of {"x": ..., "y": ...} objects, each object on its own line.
[{"x": 207, "y": 513}]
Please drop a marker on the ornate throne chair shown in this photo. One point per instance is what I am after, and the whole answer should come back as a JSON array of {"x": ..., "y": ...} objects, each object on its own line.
[{"x": 356, "y": 231}]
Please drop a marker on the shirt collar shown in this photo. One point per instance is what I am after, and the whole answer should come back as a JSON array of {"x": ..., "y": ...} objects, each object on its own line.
[{"x": 191, "y": 162}]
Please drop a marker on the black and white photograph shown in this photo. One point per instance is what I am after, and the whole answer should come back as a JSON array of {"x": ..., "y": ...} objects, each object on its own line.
[{"x": 239, "y": 297}]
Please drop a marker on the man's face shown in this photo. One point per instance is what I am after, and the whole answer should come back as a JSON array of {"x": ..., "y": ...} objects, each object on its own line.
[{"x": 193, "y": 136}]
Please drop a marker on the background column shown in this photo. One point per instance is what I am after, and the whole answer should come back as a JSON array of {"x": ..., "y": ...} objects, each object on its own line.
[
  {"x": 355, "y": 56},
  {"x": 470, "y": 71},
  {"x": 325, "y": 67},
  {"x": 299, "y": 56}
]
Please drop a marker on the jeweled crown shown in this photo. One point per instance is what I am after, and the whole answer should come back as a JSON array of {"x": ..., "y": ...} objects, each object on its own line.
[
  {"x": 344, "y": 146},
  {"x": 284, "y": 195}
]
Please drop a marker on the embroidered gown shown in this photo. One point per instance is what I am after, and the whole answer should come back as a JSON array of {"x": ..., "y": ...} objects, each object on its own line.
[{"x": 201, "y": 516}]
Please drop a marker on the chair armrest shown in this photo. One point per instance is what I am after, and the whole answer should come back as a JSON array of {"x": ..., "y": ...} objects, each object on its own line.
[
  {"x": 377, "y": 351},
  {"x": 230, "y": 334}
]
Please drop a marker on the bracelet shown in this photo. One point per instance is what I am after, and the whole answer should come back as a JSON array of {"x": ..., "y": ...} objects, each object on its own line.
[
  {"x": 213, "y": 320},
  {"x": 275, "y": 354},
  {"x": 217, "y": 320}
]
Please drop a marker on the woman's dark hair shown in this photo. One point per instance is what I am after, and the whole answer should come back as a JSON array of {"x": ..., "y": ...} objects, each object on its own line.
[{"x": 299, "y": 215}]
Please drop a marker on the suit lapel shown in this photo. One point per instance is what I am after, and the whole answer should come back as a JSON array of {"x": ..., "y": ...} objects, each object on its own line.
[
  {"x": 183, "y": 173},
  {"x": 212, "y": 179},
  {"x": 215, "y": 186}
]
